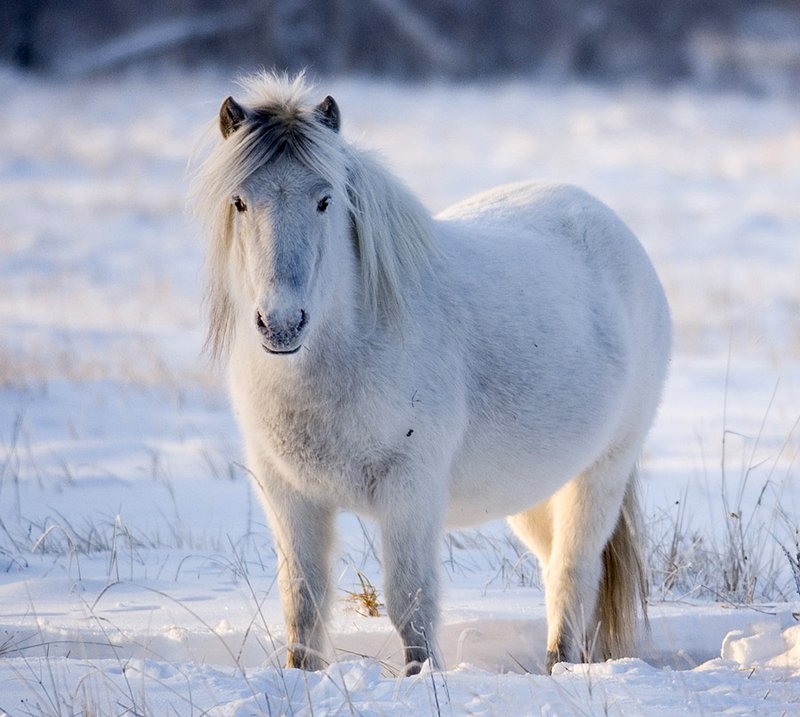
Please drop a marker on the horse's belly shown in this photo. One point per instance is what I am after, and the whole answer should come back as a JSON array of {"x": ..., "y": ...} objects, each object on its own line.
[
  {"x": 506, "y": 469},
  {"x": 484, "y": 491}
]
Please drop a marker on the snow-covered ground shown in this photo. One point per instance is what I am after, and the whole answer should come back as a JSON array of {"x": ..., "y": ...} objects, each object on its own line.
[{"x": 137, "y": 575}]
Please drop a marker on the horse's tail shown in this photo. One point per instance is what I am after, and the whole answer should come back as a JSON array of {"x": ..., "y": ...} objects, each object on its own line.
[{"x": 623, "y": 587}]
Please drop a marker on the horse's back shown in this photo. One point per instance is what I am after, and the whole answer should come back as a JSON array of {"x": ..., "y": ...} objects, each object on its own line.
[
  {"x": 512, "y": 200},
  {"x": 532, "y": 212},
  {"x": 566, "y": 333},
  {"x": 526, "y": 229}
]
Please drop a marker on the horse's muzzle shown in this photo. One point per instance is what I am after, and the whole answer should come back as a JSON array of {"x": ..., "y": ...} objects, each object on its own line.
[{"x": 281, "y": 333}]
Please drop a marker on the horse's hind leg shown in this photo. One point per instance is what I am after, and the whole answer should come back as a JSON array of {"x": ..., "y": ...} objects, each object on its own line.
[
  {"x": 534, "y": 527},
  {"x": 569, "y": 534}
]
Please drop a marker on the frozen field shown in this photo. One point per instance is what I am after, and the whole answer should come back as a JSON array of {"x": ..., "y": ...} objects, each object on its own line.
[{"x": 137, "y": 575}]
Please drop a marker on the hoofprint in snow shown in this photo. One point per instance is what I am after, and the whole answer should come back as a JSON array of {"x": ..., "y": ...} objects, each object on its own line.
[{"x": 138, "y": 573}]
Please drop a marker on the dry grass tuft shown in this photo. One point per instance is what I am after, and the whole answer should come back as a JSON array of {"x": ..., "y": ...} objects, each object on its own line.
[{"x": 365, "y": 601}]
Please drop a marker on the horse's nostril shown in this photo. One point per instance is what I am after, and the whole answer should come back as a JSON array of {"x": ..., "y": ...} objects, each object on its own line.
[{"x": 281, "y": 330}]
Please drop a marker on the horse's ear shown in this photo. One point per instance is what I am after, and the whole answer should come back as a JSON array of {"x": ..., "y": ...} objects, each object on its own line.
[
  {"x": 231, "y": 116},
  {"x": 328, "y": 113}
]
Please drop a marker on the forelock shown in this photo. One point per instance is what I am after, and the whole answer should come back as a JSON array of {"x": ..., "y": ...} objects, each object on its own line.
[{"x": 281, "y": 119}]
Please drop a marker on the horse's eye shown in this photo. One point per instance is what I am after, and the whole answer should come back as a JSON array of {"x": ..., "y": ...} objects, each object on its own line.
[
  {"x": 238, "y": 202},
  {"x": 323, "y": 203}
]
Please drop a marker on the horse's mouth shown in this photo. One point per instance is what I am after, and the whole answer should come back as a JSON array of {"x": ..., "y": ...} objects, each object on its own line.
[{"x": 278, "y": 352}]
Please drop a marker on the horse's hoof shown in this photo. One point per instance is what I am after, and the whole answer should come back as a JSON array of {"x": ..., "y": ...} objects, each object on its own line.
[
  {"x": 299, "y": 659},
  {"x": 412, "y": 668},
  {"x": 552, "y": 660}
]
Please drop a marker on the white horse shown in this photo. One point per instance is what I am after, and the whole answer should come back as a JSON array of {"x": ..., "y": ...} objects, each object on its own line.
[{"x": 503, "y": 359}]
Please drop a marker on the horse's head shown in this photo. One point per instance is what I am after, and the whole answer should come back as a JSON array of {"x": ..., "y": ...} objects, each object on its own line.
[
  {"x": 288, "y": 218},
  {"x": 303, "y": 225}
]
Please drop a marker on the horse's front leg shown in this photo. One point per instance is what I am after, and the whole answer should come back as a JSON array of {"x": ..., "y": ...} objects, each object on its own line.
[
  {"x": 411, "y": 534},
  {"x": 303, "y": 530}
]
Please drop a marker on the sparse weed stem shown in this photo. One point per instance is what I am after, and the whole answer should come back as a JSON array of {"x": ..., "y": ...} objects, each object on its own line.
[
  {"x": 370, "y": 549},
  {"x": 10, "y": 467},
  {"x": 792, "y": 555},
  {"x": 794, "y": 563},
  {"x": 740, "y": 558}
]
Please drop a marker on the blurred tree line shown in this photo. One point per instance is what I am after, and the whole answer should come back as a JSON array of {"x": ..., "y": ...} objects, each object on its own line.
[{"x": 648, "y": 39}]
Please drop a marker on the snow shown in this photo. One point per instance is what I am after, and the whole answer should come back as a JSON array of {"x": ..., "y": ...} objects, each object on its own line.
[{"x": 137, "y": 575}]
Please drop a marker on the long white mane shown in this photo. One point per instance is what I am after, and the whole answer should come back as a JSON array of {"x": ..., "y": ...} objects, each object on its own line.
[{"x": 392, "y": 230}]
